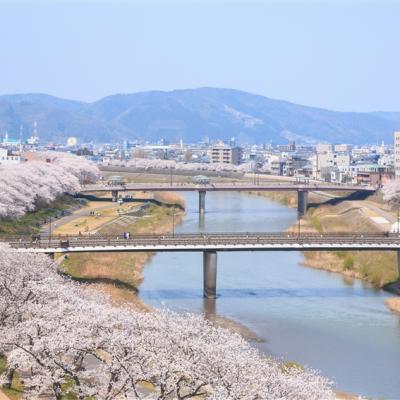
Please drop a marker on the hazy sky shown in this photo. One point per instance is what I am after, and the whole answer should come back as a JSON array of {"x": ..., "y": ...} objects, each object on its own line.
[{"x": 338, "y": 55}]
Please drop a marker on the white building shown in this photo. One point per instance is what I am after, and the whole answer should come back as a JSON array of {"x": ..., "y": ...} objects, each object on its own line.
[
  {"x": 323, "y": 163},
  {"x": 323, "y": 147},
  {"x": 6, "y": 159},
  {"x": 397, "y": 154},
  {"x": 343, "y": 148}
]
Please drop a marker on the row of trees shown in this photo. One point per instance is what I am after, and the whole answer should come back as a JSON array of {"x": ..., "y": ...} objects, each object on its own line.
[
  {"x": 25, "y": 186},
  {"x": 59, "y": 332},
  {"x": 144, "y": 163}
]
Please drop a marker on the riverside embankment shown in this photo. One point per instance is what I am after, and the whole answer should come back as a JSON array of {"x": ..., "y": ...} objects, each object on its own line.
[
  {"x": 327, "y": 213},
  {"x": 119, "y": 274}
]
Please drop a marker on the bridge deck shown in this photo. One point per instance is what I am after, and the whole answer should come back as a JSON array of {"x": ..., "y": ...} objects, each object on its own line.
[
  {"x": 208, "y": 241},
  {"x": 226, "y": 187}
]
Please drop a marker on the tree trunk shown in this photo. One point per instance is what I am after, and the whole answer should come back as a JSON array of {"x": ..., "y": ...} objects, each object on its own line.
[
  {"x": 9, "y": 378},
  {"x": 57, "y": 390}
]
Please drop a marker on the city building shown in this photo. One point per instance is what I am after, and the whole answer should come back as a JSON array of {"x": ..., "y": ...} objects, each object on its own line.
[
  {"x": 323, "y": 163},
  {"x": 343, "y": 148},
  {"x": 290, "y": 147},
  {"x": 373, "y": 174},
  {"x": 324, "y": 147},
  {"x": 225, "y": 154},
  {"x": 6, "y": 158},
  {"x": 397, "y": 154}
]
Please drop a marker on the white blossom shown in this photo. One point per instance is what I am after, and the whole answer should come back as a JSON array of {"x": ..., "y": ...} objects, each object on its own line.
[
  {"x": 24, "y": 186},
  {"x": 56, "y": 331}
]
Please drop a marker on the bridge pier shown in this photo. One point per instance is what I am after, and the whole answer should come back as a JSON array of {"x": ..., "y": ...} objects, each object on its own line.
[
  {"x": 302, "y": 202},
  {"x": 202, "y": 202},
  {"x": 114, "y": 194},
  {"x": 210, "y": 274},
  {"x": 398, "y": 264}
]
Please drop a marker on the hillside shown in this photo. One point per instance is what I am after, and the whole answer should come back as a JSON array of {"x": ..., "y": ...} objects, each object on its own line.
[{"x": 190, "y": 114}]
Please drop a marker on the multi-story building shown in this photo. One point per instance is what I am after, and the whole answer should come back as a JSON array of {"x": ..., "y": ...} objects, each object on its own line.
[
  {"x": 343, "y": 148},
  {"x": 323, "y": 163},
  {"x": 397, "y": 154},
  {"x": 373, "y": 174},
  {"x": 290, "y": 147},
  {"x": 324, "y": 147},
  {"x": 225, "y": 154}
]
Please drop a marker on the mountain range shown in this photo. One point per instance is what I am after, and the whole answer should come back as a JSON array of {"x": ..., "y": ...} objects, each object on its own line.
[{"x": 192, "y": 115}]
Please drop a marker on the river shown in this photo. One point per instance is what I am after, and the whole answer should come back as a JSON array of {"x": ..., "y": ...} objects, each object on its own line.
[{"x": 319, "y": 319}]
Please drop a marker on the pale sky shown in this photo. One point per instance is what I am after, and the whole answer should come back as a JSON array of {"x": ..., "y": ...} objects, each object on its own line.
[{"x": 337, "y": 55}]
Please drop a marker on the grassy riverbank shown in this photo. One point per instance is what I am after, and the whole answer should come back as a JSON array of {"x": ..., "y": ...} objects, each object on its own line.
[
  {"x": 379, "y": 268},
  {"x": 120, "y": 274},
  {"x": 31, "y": 222}
]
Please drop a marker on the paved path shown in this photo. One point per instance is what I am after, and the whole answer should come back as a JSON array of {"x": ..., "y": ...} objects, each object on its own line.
[
  {"x": 84, "y": 212},
  {"x": 3, "y": 396}
]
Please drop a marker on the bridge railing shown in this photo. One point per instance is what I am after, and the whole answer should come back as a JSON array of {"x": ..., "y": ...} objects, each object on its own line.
[{"x": 261, "y": 238}]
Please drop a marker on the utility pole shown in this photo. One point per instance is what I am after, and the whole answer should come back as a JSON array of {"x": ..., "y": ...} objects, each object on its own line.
[
  {"x": 49, "y": 229},
  {"x": 298, "y": 224},
  {"x": 170, "y": 176},
  {"x": 173, "y": 222}
]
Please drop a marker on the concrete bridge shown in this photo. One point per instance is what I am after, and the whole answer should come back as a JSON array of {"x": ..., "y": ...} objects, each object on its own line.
[
  {"x": 209, "y": 244},
  {"x": 301, "y": 189}
]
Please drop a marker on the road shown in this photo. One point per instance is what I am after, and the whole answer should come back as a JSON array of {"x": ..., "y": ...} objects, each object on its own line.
[{"x": 282, "y": 241}]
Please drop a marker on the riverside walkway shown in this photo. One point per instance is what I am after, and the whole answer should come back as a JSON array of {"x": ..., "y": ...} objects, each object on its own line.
[
  {"x": 209, "y": 244},
  {"x": 301, "y": 189}
]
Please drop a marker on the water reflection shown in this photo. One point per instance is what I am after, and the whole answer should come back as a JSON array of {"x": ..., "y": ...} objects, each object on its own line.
[{"x": 243, "y": 293}]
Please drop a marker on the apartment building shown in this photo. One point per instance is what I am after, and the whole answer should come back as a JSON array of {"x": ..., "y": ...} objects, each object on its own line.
[
  {"x": 225, "y": 155},
  {"x": 323, "y": 163}
]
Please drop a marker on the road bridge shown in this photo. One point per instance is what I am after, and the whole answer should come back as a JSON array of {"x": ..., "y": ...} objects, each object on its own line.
[
  {"x": 301, "y": 189},
  {"x": 209, "y": 244}
]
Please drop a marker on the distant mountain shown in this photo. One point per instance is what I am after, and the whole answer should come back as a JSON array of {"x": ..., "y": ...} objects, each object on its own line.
[{"x": 191, "y": 115}]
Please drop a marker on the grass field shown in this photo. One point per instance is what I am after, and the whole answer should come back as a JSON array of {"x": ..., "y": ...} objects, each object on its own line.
[
  {"x": 377, "y": 267},
  {"x": 120, "y": 274},
  {"x": 103, "y": 213},
  {"x": 30, "y": 223}
]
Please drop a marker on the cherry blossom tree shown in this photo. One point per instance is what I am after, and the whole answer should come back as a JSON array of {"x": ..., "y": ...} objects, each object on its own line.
[
  {"x": 25, "y": 186},
  {"x": 391, "y": 191},
  {"x": 57, "y": 331}
]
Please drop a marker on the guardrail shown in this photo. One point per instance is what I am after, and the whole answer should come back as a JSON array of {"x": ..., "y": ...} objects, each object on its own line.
[
  {"x": 230, "y": 239},
  {"x": 227, "y": 186}
]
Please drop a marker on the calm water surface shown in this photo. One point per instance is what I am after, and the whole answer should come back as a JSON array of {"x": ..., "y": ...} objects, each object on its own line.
[{"x": 316, "y": 318}]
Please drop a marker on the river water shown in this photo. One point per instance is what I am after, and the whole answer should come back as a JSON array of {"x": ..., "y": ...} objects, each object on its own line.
[{"x": 317, "y": 318}]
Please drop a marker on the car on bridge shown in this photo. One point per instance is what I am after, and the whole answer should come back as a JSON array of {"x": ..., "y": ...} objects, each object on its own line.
[{"x": 201, "y": 180}]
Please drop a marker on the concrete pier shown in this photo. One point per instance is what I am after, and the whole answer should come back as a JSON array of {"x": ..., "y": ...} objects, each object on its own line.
[
  {"x": 302, "y": 202},
  {"x": 398, "y": 263},
  {"x": 202, "y": 202},
  {"x": 114, "y": 195},
  {"x": 210, "y": 274}
]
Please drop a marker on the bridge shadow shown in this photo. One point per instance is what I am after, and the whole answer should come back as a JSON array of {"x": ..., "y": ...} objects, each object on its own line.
[
  {"x": 109, "y": 281},
  {"x": 354, "y": 196},
  {"x": 247, "y": 293}
]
